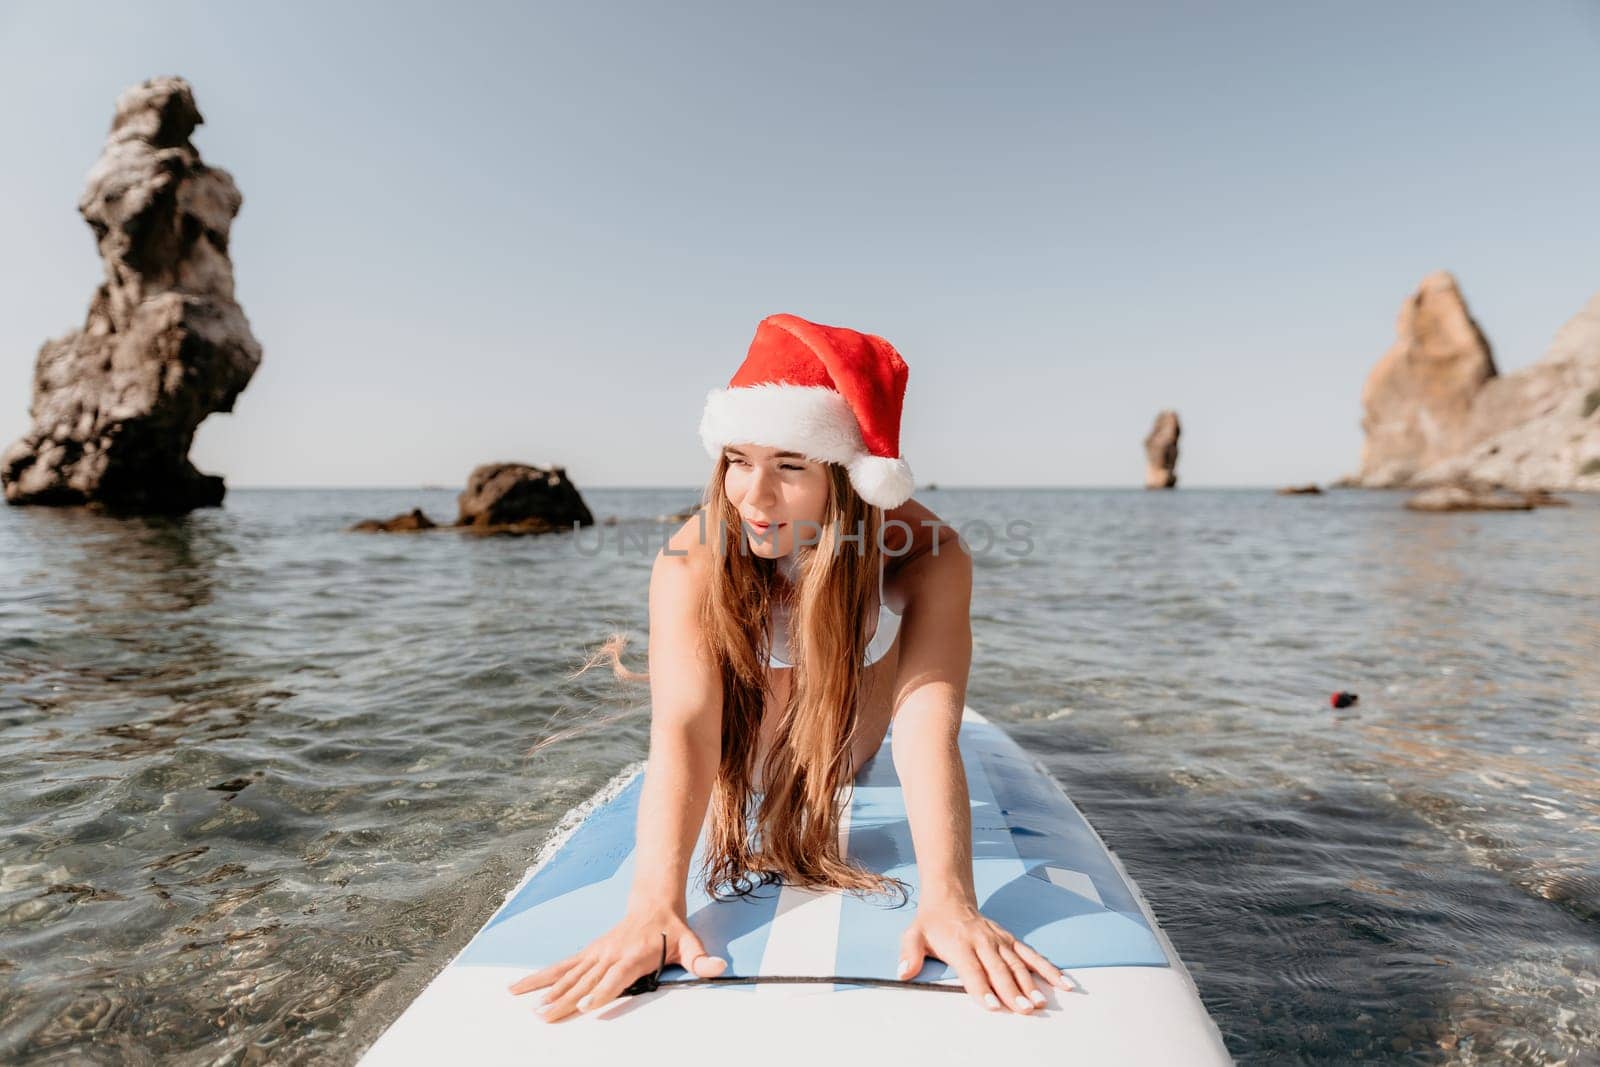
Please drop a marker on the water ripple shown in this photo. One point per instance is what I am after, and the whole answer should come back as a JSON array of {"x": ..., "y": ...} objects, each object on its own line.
[{"x": 261, "y": 778}]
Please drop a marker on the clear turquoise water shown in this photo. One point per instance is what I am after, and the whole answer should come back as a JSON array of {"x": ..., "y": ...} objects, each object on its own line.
[{"x": 1413, "y": 879}]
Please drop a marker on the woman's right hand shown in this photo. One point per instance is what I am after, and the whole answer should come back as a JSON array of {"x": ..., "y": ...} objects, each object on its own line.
[{"x": 592, "y": 978}]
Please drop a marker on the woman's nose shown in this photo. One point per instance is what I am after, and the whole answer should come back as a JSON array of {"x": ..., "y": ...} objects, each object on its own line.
[{"x": 764, "y": 486}]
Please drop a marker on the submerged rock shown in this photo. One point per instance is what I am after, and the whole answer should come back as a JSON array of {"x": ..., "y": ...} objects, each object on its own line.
[
  {"x": 116, "y": 403},
  {"x": 1542, "y": 498},
  {"x": 404, "y": 522},
  {"x": 681, "y": 515},
  {"x": 518, "y": 498},
  {"x": 1463, "y": 498},
  {"x": 1161, "y": 452}
]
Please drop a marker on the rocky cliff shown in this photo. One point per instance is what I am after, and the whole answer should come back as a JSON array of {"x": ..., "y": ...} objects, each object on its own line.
[
  {"x": 116, "y": 403},
  {"x": 1437, "y": 412}
]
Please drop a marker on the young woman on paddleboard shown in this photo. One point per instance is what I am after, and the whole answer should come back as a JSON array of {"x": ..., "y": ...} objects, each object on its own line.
[{"x": 808, "y": 604}]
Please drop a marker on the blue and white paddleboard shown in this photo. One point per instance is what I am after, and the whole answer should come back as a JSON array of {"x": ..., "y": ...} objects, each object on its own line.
[{"x": 1040, "y": 870}]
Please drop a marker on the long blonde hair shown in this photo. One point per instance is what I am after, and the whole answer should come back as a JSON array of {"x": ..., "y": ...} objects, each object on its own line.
[{"x": 795, "y": 836}]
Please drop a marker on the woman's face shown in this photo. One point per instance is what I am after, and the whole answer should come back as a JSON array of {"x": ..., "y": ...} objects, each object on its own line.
[{"x": 779, "y": 489}]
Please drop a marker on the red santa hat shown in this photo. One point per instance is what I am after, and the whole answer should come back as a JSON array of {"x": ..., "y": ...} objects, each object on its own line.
[{"x": 830, "y": 393}]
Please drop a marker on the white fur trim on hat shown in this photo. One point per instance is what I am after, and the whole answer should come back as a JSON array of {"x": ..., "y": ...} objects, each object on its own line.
[
  {"x": 815, "y": 421},
  {"x": 881, "y": 481},
  {"x": 810, "y": 419}
]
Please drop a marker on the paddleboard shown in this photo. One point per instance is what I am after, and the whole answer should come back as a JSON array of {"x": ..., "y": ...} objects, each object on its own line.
[{"x": 1040, "y": 870}]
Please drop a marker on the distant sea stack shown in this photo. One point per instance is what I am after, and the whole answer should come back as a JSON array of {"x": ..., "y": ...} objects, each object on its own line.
[
  {"x": 116, "y": 403},
  {"x": 1437, "y": 411},
  {"x": 1161, "y": 452}
]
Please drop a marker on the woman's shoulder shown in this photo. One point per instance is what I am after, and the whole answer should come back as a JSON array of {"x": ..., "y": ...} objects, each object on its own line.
[
  {"x": 681, "y": 573},
  {"x": 912, "y": 533},
  {"x": 688, "y": 546}
]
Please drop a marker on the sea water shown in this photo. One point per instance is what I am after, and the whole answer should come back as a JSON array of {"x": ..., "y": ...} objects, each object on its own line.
[{"x": 261, "y": 777}]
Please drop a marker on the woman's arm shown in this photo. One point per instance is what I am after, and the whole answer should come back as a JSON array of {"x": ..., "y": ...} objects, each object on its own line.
[
  {"x": 685, "y": 747},
  {"x": 685, "y": 735},
  {"x": 930, "y": 693}
]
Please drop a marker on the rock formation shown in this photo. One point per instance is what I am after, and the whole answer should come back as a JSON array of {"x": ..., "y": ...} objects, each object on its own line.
[
  {"x": 405, "y": 522},
  {"x": 1460, "y": 498},
  {"x": 1161, "y": 452},
  {"x": 517, "y": 498},
  {"x": 1418, "y": 399},
  {"x": 681, "y": 515},
  {"x": 1438, "y": 413},
  {"x": 116, "y": 403},
  {"x": 502, "y": 498}
]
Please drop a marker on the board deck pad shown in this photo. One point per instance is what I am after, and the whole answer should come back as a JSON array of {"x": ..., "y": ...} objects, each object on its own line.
[{"x": 1040, "y": 871}]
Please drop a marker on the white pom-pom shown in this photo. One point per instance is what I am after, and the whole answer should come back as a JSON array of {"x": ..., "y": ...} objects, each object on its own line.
[{"x": 881, "y": 481}]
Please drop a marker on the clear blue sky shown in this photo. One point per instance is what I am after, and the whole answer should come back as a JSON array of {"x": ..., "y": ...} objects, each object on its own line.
[{"x": 542, "y": 232}]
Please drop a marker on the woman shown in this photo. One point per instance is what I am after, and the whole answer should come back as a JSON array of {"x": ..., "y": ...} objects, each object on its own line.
[{"x": 783, "y": 640}]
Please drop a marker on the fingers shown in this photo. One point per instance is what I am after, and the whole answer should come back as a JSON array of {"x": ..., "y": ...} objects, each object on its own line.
[
  {"x": 913, "y": 953},
  {"x": 692, "y": 957},
  {"x": 540, "y": 979},
  {"x": 592, "y": 982},
  {"x": 1001, "y": 980},
  {"x": 1023, "y": 976},
  {"x": 975, "y": 979},
  {"x": 562, "y": 1000},
  {"x": 1048, "y": 970},
  {"x": 568, "y": 980},
  {"x": 708, "y": 966},
  {"x": 611, "y": 984}
]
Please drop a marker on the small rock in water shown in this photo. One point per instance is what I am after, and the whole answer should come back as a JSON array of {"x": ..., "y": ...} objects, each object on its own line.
[
  {"x": 518, "y": 498},
  {"x": 404, "y": 522},
  {"x": 1461, "y": 498},
  {"x": 681, "y": 515}
]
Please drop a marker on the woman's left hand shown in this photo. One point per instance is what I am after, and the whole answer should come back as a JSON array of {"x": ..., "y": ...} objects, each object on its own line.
[{"x": 996, "y": 968}]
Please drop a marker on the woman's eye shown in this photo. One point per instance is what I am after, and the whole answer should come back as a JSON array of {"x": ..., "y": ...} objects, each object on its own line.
[{"x": 734, "y": 461}]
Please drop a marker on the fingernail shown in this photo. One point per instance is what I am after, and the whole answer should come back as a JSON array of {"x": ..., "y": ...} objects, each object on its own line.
[
  {"x": 905, "y": 965},
  {"x": 1064, "y": 984},
  {"x": 1036, "y": 996},
  {"x": 1023, "y": 1003},
  {"x": 991, "y": 1000},
  {"x": 584, "y": 1001},
  {"x": 542, "y": 1008}
]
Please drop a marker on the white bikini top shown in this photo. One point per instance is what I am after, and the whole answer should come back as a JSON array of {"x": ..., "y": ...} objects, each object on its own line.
[{"x": 882, "y": 636}]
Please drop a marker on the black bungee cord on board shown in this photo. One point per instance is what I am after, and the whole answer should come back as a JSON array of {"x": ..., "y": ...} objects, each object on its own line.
[{"x": 649, "y": 983}]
